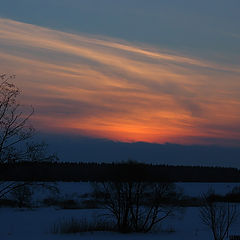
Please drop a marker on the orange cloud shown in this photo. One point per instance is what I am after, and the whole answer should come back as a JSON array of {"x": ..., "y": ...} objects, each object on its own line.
[{"x": 113, "y": 89}]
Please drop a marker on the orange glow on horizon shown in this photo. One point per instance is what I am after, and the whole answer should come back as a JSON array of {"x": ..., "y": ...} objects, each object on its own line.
[{"x": 108, "y": 88}]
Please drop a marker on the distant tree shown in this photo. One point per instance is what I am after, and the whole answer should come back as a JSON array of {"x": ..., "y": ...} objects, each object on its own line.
[
  {"x": 218, "y": 216},
  {"x": 16, "y": 134},
  {"x": 22, "y": 195},
  {"x": 137, "y": 206}
]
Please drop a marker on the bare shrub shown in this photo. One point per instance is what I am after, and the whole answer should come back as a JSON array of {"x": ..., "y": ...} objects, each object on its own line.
[
  {"x": 137, "y": 206},
  {"x": 218, "y": 216}
]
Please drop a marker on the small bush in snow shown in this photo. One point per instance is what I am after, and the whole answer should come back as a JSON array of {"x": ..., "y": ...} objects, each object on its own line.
[{"x": 81, "y": 225}]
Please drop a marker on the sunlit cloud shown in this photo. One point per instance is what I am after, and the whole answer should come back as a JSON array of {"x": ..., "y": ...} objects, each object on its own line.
[{"x": 109, "y": 88}]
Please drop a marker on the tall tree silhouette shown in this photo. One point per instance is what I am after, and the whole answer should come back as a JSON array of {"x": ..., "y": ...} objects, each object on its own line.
[{"x": 16, "y": 134}]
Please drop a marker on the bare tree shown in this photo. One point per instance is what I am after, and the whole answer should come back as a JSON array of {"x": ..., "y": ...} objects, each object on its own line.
[
  {"x": 218, "y": 216},
  {"x": 16, "y": 133},
  {"x": 136, "y": 206}
]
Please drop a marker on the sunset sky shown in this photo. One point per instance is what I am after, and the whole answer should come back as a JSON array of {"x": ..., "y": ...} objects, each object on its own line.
[{"x": 129, "y": 71}]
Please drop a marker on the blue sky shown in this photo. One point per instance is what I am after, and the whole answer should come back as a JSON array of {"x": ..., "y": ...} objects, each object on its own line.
[{"x": 208, "y": 28}]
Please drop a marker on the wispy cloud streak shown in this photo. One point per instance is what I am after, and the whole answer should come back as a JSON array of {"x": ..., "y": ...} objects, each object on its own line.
[{"x": 109, "y": 88}]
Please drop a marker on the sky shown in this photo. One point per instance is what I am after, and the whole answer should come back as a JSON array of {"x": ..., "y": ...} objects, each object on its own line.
[{"x": 127, "y": 71}]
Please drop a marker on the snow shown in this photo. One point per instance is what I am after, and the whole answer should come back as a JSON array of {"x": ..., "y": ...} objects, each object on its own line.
[{"x": 35, "y": 224}]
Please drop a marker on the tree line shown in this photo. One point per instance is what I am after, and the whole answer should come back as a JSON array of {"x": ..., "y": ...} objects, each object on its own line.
[{"x": 125, "y": 171}]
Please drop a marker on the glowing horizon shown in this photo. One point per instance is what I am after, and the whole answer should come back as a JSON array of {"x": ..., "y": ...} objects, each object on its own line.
[{"x": 110, "y": 88}]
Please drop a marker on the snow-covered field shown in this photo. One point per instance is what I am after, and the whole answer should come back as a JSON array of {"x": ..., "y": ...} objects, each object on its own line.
[{"x": 36, "y": 224}]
